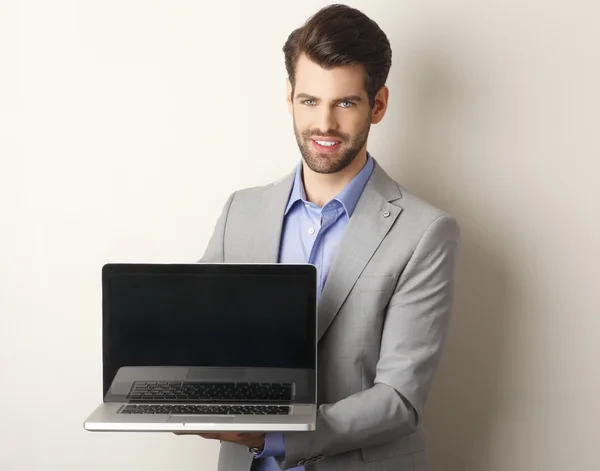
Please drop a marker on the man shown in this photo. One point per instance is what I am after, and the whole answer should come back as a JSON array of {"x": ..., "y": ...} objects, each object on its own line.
[{"x": 385, "y": 259}]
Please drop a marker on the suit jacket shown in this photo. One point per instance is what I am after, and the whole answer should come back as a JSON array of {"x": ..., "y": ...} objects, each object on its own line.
[{"x": 382, "y": 322}]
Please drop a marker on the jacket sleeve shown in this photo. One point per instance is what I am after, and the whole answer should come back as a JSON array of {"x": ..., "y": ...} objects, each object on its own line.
[
  {"x": 215, "y": 250},
  {"x": 414, "y": 331}
]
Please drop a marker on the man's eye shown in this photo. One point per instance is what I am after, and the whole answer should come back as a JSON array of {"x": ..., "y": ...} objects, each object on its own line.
[
  {"x": 346, "y": 104},
  {"x": 308, "y": 102}
]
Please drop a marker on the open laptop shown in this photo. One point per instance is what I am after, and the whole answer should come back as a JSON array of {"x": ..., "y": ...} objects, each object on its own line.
[{"x": 208, "y": 348}]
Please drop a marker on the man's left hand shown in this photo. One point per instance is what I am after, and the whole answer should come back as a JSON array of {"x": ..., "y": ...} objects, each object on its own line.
[{"x": 241, "y": 438}]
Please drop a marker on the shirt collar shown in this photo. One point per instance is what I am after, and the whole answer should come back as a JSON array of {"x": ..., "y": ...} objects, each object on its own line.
[{"x": 348, "y": 197}]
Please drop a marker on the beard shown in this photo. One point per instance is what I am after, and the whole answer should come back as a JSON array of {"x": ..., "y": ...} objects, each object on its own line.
[{"x": 349, "y": 148}]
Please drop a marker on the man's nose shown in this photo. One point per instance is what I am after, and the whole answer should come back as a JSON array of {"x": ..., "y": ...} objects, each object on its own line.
[{"x": 326, "y": 120}]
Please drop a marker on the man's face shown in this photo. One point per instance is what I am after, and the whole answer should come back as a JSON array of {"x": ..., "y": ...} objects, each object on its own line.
[{"x": 332, "y": 116}]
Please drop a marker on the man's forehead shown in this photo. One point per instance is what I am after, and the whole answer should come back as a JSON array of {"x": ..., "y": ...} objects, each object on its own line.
[{"x": 312, "y": 79}]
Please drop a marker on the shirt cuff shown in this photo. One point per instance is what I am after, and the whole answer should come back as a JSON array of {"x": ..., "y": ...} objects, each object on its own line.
[{"x": 274, "y": 446}]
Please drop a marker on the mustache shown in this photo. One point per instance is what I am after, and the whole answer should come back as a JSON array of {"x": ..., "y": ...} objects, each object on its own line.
[{"x": 334, "y": 134}]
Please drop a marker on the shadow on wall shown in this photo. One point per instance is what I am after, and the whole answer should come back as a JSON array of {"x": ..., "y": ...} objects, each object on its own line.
[{"x": 461, "y": 411}]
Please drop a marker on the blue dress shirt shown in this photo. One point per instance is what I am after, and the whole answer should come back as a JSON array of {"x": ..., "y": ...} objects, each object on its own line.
[{"x": 311, "y": 234}]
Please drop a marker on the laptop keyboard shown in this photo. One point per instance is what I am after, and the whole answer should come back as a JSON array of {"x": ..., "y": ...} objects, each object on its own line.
[
  {"x": 196, "y": 409},
  {"x": 185, "y": 392}
]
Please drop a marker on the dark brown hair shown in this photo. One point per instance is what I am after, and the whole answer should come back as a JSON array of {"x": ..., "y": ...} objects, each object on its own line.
[{"x": 339, "y": 35}]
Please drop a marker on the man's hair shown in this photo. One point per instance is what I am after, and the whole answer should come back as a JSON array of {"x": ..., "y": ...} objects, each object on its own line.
[{"x": 339, "y": 35}]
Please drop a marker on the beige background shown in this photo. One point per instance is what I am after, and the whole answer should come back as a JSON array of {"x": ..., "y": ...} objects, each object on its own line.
[{"x": 125, "y": 124}]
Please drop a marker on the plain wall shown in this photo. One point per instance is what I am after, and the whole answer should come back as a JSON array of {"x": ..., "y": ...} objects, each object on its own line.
[{"x": 124, "y": 125}]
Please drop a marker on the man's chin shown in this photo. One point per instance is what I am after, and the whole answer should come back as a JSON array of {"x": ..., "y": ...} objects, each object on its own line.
[{"x": 325, "y": 164}]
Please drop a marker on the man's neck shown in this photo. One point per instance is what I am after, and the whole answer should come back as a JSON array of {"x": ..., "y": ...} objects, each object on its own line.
[{"x": 321, "y": 188}]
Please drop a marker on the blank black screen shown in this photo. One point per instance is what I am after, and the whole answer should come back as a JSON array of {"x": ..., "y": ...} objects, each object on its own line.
[{"x": 218, "y": 319}]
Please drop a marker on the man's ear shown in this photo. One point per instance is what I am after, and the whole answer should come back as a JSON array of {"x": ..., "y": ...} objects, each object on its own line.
[
  {"x": 381, "y": 104},
  {"x": 288, "y": 87}
]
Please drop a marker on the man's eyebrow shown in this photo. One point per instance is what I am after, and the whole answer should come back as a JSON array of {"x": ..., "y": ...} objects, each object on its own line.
[
  {"x": 350, "y": 98},
  {"x": 306, "y": 96}
]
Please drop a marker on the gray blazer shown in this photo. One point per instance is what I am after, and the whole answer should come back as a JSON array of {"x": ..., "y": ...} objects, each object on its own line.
[{"x": 383, "y": 317}]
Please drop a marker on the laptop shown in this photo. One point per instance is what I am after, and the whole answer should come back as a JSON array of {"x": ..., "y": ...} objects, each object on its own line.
[{"x": 208, "y": 348}]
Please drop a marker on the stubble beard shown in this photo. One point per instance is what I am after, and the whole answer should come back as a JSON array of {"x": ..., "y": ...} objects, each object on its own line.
[{"x": 325, "y": 163}]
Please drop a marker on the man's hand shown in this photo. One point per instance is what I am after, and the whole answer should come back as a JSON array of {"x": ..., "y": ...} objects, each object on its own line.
[{"x": 241, "y": 438}]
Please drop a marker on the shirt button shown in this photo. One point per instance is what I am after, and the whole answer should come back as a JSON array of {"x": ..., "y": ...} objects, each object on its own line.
[
  {"x": 311, "y": 231},
  {"x": 386, "y": 214}
]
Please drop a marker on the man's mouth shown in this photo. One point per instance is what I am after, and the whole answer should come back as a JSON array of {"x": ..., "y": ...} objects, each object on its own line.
[{"x": 327, "y": 145}]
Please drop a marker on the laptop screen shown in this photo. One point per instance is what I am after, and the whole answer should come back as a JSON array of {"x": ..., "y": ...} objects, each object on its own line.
[{"x": 209, "y": 315}]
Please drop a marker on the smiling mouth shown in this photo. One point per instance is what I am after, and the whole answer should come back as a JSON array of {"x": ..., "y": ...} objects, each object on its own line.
[{"x": 325, "y": 145}]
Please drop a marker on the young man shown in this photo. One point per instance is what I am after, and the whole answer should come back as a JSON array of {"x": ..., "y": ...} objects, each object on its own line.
[{"x": 386, "y": 261}]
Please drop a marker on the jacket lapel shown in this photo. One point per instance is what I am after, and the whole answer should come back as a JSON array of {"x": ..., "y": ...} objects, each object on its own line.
[
  {"x": 373, "y": 217},
  {"x": 269, "y": 220}
]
